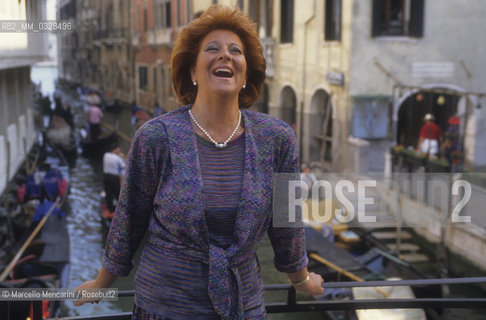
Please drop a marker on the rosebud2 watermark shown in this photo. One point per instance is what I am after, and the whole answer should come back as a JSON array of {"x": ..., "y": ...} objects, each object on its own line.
[
  {"x": 57, "y": 294},
  {"x": 342, "y": 215},
  {"x": 373, "y": 199}
]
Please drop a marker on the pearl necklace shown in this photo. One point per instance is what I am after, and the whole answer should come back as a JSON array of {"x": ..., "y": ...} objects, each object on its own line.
[{"x": 222, "y": 144}]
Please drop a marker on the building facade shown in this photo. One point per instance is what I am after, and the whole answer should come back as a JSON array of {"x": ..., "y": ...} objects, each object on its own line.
[
  {"x": 99, "y": 54},
  {"x": 404, "y": 64},
  {"x": 351, "y": 77},
  {"x": 155, "y": 27},
  {"x": 347, "y": 74},
  {"x": 18, "y": 51}
]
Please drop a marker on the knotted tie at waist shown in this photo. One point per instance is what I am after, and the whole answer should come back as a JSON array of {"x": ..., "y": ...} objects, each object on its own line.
[{"x": 220, "y": 280}]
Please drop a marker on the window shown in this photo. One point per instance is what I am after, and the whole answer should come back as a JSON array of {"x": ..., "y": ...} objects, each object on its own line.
[
  {"x": 188, "y": 11},
  {"x": 162, "y": 15},
  {"x": 168, "y": 15},
  {"x": 268, "y": 17},
  {"x": 254, "y": 11},
  {"x": 155, "y": 78},
  {"x": 287, "y": 21},
  {"x": 121, "y": 15},
  {"x": 145, "y": 19},
  {"x": 332, "y": 25},
  {"x": 136, "y": 17},
  {"x": 142, "y": 78},
  {"x": 178, "y": 4},
  {"x": 109, "y": 19},
  {"x": 398, "y": 18}
]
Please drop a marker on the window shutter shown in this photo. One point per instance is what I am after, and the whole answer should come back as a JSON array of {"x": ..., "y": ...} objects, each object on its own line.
[
  {"x": 287, "y": 21},
  {"x": 332, "y": 24},
  {"x": 378, "y": 17},
  {"x": 416, "y": 26},
  {"x": 328, "y": 23}
]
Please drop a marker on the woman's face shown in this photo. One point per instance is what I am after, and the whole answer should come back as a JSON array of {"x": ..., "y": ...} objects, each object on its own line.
[{"x": 220, "y": 64}]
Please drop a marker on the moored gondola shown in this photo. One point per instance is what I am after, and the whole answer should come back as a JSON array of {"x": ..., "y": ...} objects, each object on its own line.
[
  {"x": 338, "y": 253},
  {"x": 337, "y": 264},
  {"x": 61, "y": 136},
  {"x": 95, "y": 149},
  {"x": 39, "y": 250}
]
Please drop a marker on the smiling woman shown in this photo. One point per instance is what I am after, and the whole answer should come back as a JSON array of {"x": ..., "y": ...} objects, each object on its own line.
[
  {"x": 190, "y": 40},
  {"x": 205, "y": 205},
  {"x": 220, "y": 63},
  {"x": 220, "y": 67}
]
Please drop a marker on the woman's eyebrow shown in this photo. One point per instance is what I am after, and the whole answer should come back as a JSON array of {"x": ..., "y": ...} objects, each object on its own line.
[{"x": 211, "y": 43}]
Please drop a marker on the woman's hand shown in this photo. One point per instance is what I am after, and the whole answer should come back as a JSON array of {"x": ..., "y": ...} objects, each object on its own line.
[
  {"x": 313, "y": 286},
  {"x": 105, "y": 279},
  {"x": 87, "y": 285}
]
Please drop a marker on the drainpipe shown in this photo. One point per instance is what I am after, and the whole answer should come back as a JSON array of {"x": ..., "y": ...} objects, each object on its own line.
[{"x": 304, "y": 63}]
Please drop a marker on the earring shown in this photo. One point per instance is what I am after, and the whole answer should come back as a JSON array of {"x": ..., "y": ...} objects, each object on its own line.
[
  {"x": 244, "y": 86},
  {"x": 194, "y": 83}
]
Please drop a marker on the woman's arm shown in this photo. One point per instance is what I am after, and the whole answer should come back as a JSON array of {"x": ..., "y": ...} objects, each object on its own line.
[
  {"x": 289, "y": 243},
  {"x": 133, "y": 209}
]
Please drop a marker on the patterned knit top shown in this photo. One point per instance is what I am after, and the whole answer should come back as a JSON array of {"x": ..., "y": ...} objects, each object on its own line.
[{"x": 222, "y": 174}]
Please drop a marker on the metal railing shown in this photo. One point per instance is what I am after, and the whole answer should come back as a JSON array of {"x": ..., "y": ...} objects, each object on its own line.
[{"x": 292, "y": 305}]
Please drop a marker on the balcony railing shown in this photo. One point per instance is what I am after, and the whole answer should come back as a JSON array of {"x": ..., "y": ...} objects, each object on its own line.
[{"x": 292, "y": 305}]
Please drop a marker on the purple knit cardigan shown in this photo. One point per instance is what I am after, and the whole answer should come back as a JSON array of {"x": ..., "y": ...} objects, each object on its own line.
[{"x": 162, "y": 195}]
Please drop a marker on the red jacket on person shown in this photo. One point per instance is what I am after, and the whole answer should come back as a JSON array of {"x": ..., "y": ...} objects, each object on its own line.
[{"x": 430, "y": 130}]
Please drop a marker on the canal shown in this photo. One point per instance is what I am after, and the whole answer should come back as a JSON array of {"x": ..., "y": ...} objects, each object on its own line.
[{"x": 88, "y": 236}]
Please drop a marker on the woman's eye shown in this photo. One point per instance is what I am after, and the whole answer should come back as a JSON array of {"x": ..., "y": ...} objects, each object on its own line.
[
  {"x": 211, "y": 49},
  {"x": 235, "y": 49}
]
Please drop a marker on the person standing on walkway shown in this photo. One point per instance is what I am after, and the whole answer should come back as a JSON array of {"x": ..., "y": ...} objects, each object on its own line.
[
  {"x": 113, "y": 170},
  {"x": 451, "y": 149},
  {"x": 94, "y": 119},
  {"x": 199, "y": 184},
  {"x": 430, "y": 135}
]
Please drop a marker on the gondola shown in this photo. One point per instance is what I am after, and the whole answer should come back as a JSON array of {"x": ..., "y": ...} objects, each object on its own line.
[
  {"x": 43, "y": 258},
  {"x": 45, "y": 264},
  {"x": 95, "y": 149},
  {"x": 374, "y": 264},
  {"x": 112, "y": 105},
  {"x": 336, "y": 252},
  {"x": 61, "y": 135}
]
